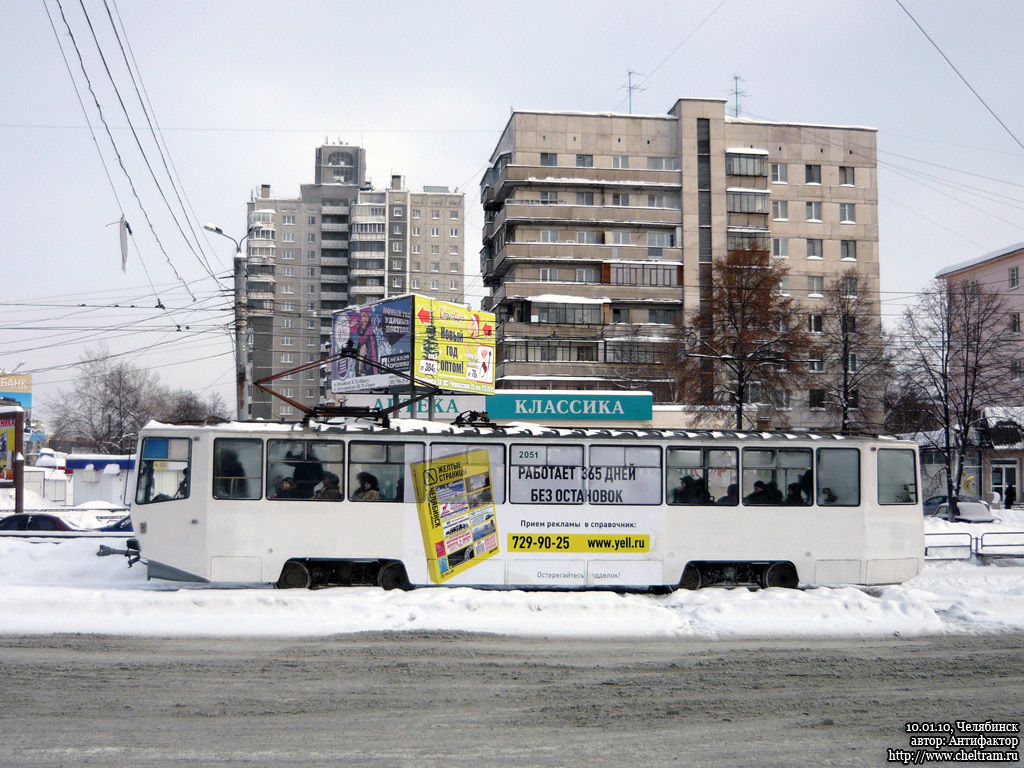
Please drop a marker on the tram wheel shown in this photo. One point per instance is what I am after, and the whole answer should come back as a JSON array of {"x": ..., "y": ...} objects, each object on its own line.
[
  {"x": 780, "y": 575},
  {"x": 393, "y": 576},
  {"x": 294, "y": 575},
  {"x": 692, "y": 577}
]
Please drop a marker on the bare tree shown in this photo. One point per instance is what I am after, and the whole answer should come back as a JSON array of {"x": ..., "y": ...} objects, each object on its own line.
[
  {"x": 958, "y": 350},
  {"x": 743, "y": 345},
  {"x": 186, "y": 406},
  {"x": 107, "y": 405},
  {"x": 850, "y": 355},
  {"x": 636, "y": 360}
]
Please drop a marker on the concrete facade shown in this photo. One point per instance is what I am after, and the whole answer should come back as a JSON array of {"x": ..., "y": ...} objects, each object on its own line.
[{"x": 601, "y": 229}]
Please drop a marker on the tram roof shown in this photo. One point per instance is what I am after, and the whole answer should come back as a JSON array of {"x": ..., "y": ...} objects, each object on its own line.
[{"x": 513, "y": 429}]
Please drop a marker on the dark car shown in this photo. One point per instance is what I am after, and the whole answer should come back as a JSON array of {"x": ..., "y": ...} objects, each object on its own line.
[
  {"x": 34, "y": 522},
  {"x": 124, "y": 525}
]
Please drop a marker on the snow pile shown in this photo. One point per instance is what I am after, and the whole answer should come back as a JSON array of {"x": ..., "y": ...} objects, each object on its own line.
[{"x": 60, "y": 587}]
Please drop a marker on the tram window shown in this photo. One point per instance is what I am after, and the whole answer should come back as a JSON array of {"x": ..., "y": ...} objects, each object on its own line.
[
  {"x": 237, "y": 468},
  {"x": 897, "y": 477},
  {"x": 702, "y": 476},
  {"x": 624, "y": 474},
  {"x": 777, "y": 476},
  {"x": 305, "y": 469},
  {"x": 163, "y": 470},
  {"x": 546, "y": 474},
  {"x": 377, "y": 471},
  {"x": 479, "y": 476},
  {"x": 838, "y": 477}
]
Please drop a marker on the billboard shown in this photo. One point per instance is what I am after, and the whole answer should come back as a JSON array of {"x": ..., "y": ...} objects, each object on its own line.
[
  {"x": 444, "y": 344},
  {"x": 17, "y": 387},
  {"x": 7, "y": 446}
]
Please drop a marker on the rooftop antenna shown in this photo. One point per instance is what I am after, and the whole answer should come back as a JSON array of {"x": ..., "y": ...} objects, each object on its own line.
[
  {"x": 630, "y": 87},
  {"x": 736, "y": 93}
]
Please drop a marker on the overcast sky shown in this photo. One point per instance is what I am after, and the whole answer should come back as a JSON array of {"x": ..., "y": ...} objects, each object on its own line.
[{"x": 245, "y": 91}]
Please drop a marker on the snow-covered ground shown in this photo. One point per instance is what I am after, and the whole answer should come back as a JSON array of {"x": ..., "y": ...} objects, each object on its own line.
[{"x": 62, "y": 587}]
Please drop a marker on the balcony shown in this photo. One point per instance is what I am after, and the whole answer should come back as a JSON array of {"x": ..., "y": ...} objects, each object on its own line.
[
  {"x": 333, "y": 261},
  {"x": 367, "y": 273},
  {"x": 574, "y": 254},
  {"x": 325, "y": 227},
  {"x": 563, "y": 214},
  {"x": 367, "y": 290},
  {"x": 528, "y": 289},
  {"x": 333, "y": 295},
  {"x": 335, "y": 210},
  {"x": 496, "y": 191}
]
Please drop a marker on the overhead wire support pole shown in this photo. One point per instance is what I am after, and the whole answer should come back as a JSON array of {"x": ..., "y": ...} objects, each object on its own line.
[{"x": 630, "y": 87}]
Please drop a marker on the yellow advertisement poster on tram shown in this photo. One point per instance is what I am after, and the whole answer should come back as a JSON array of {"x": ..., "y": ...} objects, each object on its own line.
[{"x": 455, "y": 503}]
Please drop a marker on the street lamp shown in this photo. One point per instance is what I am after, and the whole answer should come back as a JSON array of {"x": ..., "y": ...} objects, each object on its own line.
[{"x": 240, "y": 304}]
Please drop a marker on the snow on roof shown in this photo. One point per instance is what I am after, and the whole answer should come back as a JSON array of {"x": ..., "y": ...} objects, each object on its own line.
[
  {"x": 745, "y": 151},
  {"x": 749, "y": 189},
  {"x": 751, "y": 121},
  {"x": 992, "y": 256}
]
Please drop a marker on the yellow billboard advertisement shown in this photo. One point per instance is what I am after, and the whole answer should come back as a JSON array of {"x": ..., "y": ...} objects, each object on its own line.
[
  {"x": 453, "y": 346},
  {"x": 7, "y": 446},
  {"x": 455, "y": 504}
]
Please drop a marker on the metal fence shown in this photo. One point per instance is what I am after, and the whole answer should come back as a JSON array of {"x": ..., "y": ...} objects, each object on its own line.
[{"x": 963, "y": 545}]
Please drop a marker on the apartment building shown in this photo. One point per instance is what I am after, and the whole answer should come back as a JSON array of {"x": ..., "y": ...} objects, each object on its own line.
[
  {"x": 601, "y": 229},
  {"x": 339, "y": 243}
]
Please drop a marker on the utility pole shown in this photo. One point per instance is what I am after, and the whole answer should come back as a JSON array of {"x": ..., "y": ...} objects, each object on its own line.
[{"x": 630, "y": 87}]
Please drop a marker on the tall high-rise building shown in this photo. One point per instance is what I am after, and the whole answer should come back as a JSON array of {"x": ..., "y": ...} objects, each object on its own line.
[
  {"x": 338, "y": 244},
  {"x": 601, "y": 230}
]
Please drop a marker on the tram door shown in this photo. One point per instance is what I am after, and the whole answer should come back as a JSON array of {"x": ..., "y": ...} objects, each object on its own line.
[{"x": 1005, "y": 473}]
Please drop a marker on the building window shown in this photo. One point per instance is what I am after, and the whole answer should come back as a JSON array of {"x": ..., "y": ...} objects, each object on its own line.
[
  {"x": 657, "y": 201},
  {"x": 587, "y": 237},
  {"x": 815, "y": 285},
  {"x": 312, "y": 221},
  {"x": 780, "y": 247},
  {"x": 783, "y": 287},
  {"x": 288, "y": 271},
  {"x": 661, "y": 163},
  {"x": 288, "y": 219},
  {"x": 816, "y": 400},
  {"x": 620, "y": 238},
  {"x": 814, "y": 248},
  {"x": 453, "y": 267},
  {"x": 396, "y": 282},
  {"x": 815, "y": 366},
  {"x": 1014, "y": 277},
  {"x": 287, "y": 322},
  {"x": 310, "y": 341},
  {"x": 848, "y": 250},
  {"x": 396, "y": 247},
  {"x": 435, "y": 231},
  {"x": 288, "y": 255},
  {"x": 847, "y": 213},
  {"x": 1015, "y": 322},
  {"x": 453, "y": 215},
  {"x": 454, "y": 232},
  {"x": 453, "y": 250},
  {"x": 662, "y": 316},
  {"x": 415, "y": 232},
  {"x": 435, "y": 250},
  {"x": 1017, "y": 370},
  {"x": 780, "y": 173},
  {"x": 549, "y": 235},
  {"x": 288, "y": 357},
  {"x": 851, "y": 362},
  {"x": 629, "y": 274},
  {"x": 287, "y": 306},
  {"x": 549, "y": 198},
  {"x": 311, "y": 237},
  {"x": 780, "y": 210},
  {"x": 746, "y": 202},
  {"x": 415, "y": 247},
  {"x": 548, "y": 275},
  {"x": 415, "y": 284},
  {"x": 846, "y": 175},
  {"x": 814, "y": 211},
  {"x": 586, "y": 275},
  {"x": 620, "y": 198},
  {"x": 815, "y": 323},
  {"x": 435, "y": 266},
  {"x": 812, "y": 174},
  {"x": 310, "y": 255},
  {"x": 660, "y": 239},
  {"x": 584, "y": 161},
  {"x": 453, "y": 285},
  {"x": 434, "y": 285},
  {"x": 397, "y": 211},
  {"x": 287, "y": 289},
  {"x": 435, "y": 213},
  {"x": 584, "y": 198},
  {"x": 619, "y": 315},
  {"x": 620, "y": 161},
  {"x": 288, "y": 237},
  {"x": 415, "y": 213},
  {"x": 849, "y": 287},
  {"x": 396, "y": 264},
  {"x": 548, "y": 158}
]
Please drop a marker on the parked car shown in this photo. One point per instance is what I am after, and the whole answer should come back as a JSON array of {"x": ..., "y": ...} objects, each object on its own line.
[
  {"x": 931, "y": 505},
  {"x": 124, "y": 525},
  {"x": 968, "y": 512},
  {"x": 26, "y": 521}
]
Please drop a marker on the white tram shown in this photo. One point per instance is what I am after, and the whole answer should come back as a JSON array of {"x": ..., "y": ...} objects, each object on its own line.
[{"x": 420, "y": 503}]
